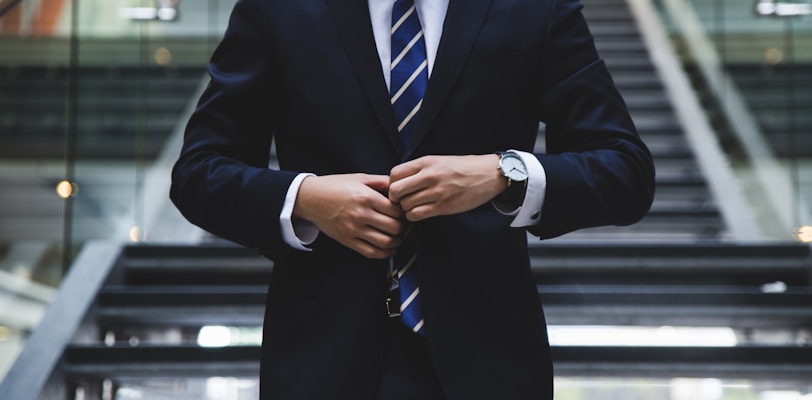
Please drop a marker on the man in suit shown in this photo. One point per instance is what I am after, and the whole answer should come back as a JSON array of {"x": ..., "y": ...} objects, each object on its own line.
[{"x": 452, "y": 184}]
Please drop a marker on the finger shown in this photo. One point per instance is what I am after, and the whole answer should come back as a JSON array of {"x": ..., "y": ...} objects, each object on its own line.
[
  {"x": 376, "y": 199},
  {"x": 368, "y": 250},
  {"x": 406, "y": 169},
  {"x": 380, "y": 239},
  {"x": 389, "y": 225},
  {"x": 381, "y": 204},
  {"x": 388, "y": 208},
  {"x": 407, "y": 186},
  {"x": 379, "y": 183},
  {"x": 422, "y": 212},
  {"x": 419, "y": 198}
]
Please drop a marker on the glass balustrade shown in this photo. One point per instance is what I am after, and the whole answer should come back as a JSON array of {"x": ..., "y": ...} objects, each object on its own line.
[{"x": 92, "y": 95}]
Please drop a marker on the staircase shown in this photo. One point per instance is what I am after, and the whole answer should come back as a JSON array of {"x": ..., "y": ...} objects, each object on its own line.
[{"x": 135, "y": 319}]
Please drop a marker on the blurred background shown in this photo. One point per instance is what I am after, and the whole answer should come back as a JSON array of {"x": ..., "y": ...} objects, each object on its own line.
[{"x": 106, "y": 292}]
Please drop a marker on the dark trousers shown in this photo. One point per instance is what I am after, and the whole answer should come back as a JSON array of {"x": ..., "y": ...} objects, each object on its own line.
[{"x": 407, "y": 372}]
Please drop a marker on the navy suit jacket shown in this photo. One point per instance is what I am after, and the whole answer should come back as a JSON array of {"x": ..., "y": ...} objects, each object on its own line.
[{"x": 306, "y": 74}]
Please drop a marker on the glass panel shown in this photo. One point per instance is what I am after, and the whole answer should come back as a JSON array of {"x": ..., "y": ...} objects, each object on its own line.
[
  {"x": 758, "y": 97},
  {"x": 33, "y": 92},
  {"x": 88, "y": 100},
  {"x": 140, "y": 63}
]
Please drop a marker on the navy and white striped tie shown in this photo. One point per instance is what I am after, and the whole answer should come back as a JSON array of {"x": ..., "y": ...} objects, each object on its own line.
[
  {"x": 408, "y": 79},
  {"x": 404, "y": 272},
  {"x": 409, "y": 72}
]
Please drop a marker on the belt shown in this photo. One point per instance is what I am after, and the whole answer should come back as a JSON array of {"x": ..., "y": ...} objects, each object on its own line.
[{"x": 393, "y": 304}]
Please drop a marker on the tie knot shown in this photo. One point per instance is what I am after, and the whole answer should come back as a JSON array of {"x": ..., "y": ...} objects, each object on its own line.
[{"x": 404, "y": 3}]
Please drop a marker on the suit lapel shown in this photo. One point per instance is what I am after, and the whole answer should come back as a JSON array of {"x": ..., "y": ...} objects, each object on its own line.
[
  {"x": 355, "y": 30},
  {"x": 463, "y": 22}
]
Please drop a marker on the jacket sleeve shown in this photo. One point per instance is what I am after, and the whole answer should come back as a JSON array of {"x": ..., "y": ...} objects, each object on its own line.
[
  {"x": 598, "y": 170},
  {"x": 221, "y": 181}
]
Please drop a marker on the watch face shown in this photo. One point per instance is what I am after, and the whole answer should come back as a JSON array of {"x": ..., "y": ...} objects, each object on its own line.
[{"x": 513, "y": 167}]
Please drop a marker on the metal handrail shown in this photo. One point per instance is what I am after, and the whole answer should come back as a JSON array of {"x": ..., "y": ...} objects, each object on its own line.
[
  {"x": 6, "y": 6},
  {"x": 33, "y": 367},
  {"x": 701, "y": 136}
]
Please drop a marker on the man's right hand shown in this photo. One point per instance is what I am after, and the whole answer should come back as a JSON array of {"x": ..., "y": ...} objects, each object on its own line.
[{"x": 354, "y": 210}]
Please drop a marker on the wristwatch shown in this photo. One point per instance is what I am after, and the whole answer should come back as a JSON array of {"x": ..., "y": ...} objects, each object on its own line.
[{"x": 512, "y": 167}]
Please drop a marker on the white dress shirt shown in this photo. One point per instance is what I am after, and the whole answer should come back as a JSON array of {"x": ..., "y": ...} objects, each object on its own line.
[{"x": 299, "y": 234}]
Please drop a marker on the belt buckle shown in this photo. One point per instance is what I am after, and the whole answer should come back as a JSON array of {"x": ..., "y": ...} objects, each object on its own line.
[{"x": 390, "y": 304}]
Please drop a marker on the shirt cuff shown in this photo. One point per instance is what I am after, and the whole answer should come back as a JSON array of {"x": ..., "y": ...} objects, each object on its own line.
[
  {"x": 299, "y": 233},
  {"x": 529, "y": 213}
]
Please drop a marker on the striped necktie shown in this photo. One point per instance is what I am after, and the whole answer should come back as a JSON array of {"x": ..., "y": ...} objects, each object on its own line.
[
  {"x": 409, "y": 68},
  {"x": 404, "y": 272},
  {"x": 408, "y": 79}
]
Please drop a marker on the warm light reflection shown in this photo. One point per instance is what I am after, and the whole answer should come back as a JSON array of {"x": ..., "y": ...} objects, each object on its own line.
[
  {"x": 66, "y": 189},
  {"x": 5, "y": 333},
  {"x": 137, "y": 234},
  {"x": 803, "y": 234},
  {"x": 773, "y": 56},
  {"x": 163, "y": 56}
]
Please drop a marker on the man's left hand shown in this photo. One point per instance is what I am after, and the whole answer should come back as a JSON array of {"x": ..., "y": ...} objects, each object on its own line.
[{"x": 443, "y": 185}]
